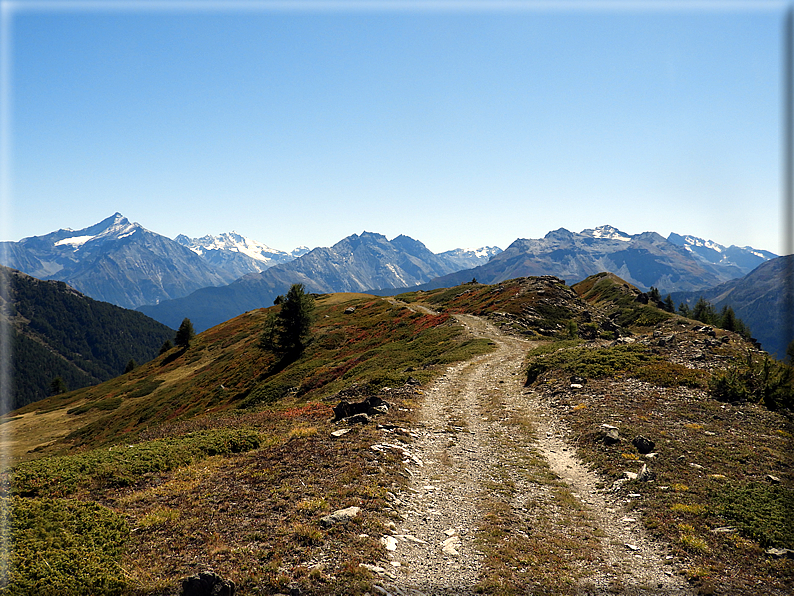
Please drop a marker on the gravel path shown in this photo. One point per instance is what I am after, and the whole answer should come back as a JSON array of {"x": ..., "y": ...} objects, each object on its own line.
[{"x": 434, "y": 549}]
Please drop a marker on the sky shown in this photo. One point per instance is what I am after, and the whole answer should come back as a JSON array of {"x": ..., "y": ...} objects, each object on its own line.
[{"x": 458, "y": 124}]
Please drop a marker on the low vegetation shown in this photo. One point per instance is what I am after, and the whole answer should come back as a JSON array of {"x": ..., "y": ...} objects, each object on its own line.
[
  {"x": 218, "y": 454},
  {"x": 719, "y": 412}
]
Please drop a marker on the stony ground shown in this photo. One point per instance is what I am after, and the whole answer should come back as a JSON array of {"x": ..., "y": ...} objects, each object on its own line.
[{"x": 481, "y": 432}]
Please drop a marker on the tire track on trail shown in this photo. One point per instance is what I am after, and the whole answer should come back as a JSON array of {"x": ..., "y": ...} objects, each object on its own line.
[{"x": 471, "y": 448}]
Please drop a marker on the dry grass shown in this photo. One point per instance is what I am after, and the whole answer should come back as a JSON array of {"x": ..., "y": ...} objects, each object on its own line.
[{"x": 712, "y": 466}]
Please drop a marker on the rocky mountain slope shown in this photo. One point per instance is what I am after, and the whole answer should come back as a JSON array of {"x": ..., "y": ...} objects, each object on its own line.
[
  {"x": 218, "y": 457},
  {"x": 355, "y": 264},
  {"x": 58, "y": 332},
  {"x": 115, "y": 261},
  {"x": 644, "y": 260},
  {"x": 237, "y": 254},
  {"x": 744, "y": 259}
]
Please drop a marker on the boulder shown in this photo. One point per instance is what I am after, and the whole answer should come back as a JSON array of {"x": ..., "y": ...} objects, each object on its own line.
[
  {"x": 609, "y": 434},
  {"x": 340, "y": 516},
  {"x": 643, "y": 444},
  {"x": 207, "y": 583},
  {"x": 346, "y": 409}
]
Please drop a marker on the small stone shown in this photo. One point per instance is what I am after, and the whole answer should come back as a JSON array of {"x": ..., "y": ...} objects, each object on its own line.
[
  {"x": 390, "y": 542},
  {"x": 350, "y": 310},
  {"x": 372, "y": 568},
  {"x": 645, "y": 474},
  {"x": 629, "y": 475},
  {"x": 451, "y": 532},
  {"x": 780, "y": 553},
  {"x": 449, "y": 546},
  {"x": 340, "y": 432},
  {"x": 724, "y": 530},
  {"x": 632, "y": 546},
  {"x": 358, "y": 419},
  {"x": 576, "y": 385},
  {"x": 696, "y": 466},
  {"x": 773, "y": 479}
]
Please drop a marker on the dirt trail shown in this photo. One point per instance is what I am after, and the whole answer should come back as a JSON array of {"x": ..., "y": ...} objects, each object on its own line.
[{"x": 461, "y": 434}]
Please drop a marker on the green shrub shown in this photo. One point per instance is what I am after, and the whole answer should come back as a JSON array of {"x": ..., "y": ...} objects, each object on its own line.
[
  {"x": 766, "y": 381},
  {"x": 762, "y": 512},
  {"x": 669, "y": 374},
  {"x": 591, "y": 363},
  {"x": 123, "y": 465}
]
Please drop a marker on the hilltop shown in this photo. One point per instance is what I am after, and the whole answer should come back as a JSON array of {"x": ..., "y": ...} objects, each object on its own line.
[{"x": 218, "y": 457}]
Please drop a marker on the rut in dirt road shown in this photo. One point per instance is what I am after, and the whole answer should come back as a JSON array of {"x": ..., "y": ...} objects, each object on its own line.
[{"x": 479, "y": 464}]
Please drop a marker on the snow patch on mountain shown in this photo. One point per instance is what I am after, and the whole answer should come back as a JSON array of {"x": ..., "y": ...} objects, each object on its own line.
[
  {"x": 606, "y": 232},
  {"x": 118, "y": 227},
  {"x": 75, "y": 241},
  {"x": 692, "y": 241},
  {"x": 231, "y": 242}
]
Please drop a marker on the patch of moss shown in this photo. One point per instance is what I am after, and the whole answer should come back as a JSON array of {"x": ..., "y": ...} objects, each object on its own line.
[{"x": 63, "y": 546}]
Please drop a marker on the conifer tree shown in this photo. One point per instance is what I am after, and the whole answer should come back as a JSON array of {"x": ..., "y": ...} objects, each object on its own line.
[
  {"x": 57, "y": 386},
  {"x": 184, "y": 334},
  {"x": 288, "y": 331}
]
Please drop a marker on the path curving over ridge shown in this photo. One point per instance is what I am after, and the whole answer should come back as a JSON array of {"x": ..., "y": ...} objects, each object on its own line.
[{"x": 493, "y": 456}]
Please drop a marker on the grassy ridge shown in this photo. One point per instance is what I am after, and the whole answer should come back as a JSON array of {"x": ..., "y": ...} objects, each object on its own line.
[{"x": 168, "y": 447}]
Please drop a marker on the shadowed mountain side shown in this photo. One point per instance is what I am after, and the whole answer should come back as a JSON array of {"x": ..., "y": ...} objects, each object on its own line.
[
  {"x": 56, "y": 331},
  {"x": 759, "y": 299}
]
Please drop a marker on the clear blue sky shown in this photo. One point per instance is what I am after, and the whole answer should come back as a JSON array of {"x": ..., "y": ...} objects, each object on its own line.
[{"x": 459, "y": 126}]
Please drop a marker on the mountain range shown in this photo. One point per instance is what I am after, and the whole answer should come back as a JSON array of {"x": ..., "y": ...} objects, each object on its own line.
[
  {"x": 645, "y": 260},
  {"x": 115, "y": 261},
  {"x": 214, "y": 278},
  {"x": 355, "y": 264},
  {"x": 125, "y": 264}
]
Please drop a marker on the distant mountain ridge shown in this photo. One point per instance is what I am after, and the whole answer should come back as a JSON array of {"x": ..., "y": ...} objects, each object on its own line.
[
  {"x": 114, "y": 261},
  {"x": 645, "y": 260},
  {"x": 745, "y": 259},
  {"x": 354, "y": 264},
  {"x": 213, "y": 278},
  {"x": 124, "y": 263},
  {"x": 237, "y": 254}
]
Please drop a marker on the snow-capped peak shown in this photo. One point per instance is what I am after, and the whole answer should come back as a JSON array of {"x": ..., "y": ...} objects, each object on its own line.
[
  {"x": 230, "y": 242},
  {"x": 694, "y": 241},
  {"x": 115, "y": 227},
  {"x": 607, "y": 232}
]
